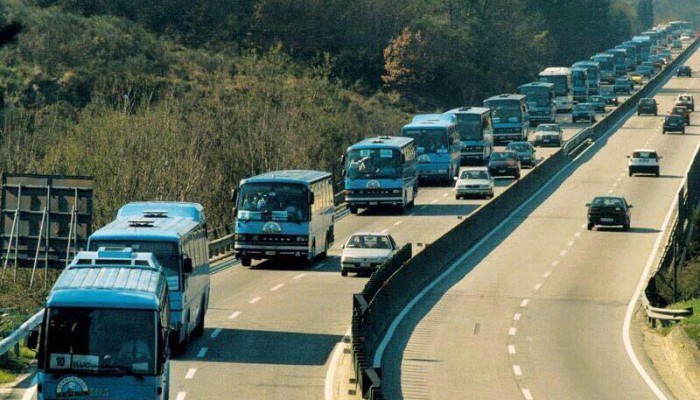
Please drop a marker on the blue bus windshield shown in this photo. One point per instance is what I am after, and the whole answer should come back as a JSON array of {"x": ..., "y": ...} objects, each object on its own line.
[
  {"x": 505, "y": 111},
  {"x": 560, "y": 82},
  {"x": 470, "y": 127},
  {"x": 429, "y": 140},
  {"x": 273, "y": 201},
  {"x": 541, "y": 97},
  {"x": 165, "y": 252},
  {"x": 373, "y": 163},
  {"x": 96, "y": 341},
  {"x": 578, "y": 79}
]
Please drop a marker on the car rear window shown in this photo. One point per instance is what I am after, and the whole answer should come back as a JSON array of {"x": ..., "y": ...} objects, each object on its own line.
[
  {"x": 647, "y": 101},
  {"x": 644, "y": 154},
  {"x": 606, "y": 202}
]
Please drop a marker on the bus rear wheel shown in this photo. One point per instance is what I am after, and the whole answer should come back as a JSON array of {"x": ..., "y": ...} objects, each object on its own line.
[{"x": 353, "y": 209}]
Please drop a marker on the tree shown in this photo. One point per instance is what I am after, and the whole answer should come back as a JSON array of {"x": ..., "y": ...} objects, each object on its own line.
[{"x": 645, "y": 13}]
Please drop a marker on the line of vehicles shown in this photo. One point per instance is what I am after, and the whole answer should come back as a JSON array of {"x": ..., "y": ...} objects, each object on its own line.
[{"x": 142, "y": 287}]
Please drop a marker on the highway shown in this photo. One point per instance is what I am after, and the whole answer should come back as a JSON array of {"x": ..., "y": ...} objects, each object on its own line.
[
  {"x": 538, "y": 311},
  {"x": 270, "y": 331}
]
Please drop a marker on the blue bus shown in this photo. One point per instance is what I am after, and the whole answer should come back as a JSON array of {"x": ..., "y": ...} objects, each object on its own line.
[
  {"x": 620, "y": 60},
  {"x": 579, "y": 78},
  {"x": 607, "y": 67},
  {"x": 510, "y": 116},
  {"x": 475, "y": 134},
  {"x": 105, "y": 328},
  {"x": 381, "y": 171},
  {"x": 284, "y": 215},
  {"x": 176, "y": 233},
  {"x": 540, "y": 101},
  {"x": 437, "y": 148},
  {"x": 428, "y": 117},
  {"x": 563, "y": 87},
  {"x": 593, "y": 75}
]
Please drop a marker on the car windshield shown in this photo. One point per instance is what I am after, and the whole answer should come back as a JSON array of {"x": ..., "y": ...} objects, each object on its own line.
[
  {"x": 583, "y": 107},
  {"x": 674, "y": 118},
  {"x": 373, "y": 163},
  {"x": 644, "y": 154},
  {"x": 498, "y": 157},
  {"x": 684, "y": 98},
  {"x": 547, "y": 128},
  {"x": 369, "y": 242},
  {"x": 472, "y": 174},
  {"x": 679, "y": 110},
  {"x": 607, "y": 202},
  {"x": 93, "y": 340},
  {"x": 273, "y": 201},
  {"x": 518, "y": 147}
]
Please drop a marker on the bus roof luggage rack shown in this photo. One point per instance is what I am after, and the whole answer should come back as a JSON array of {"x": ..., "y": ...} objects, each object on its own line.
[{"x": 155, "y": 213}]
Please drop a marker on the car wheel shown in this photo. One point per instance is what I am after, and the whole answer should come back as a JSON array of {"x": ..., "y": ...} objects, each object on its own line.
[
  {"x": 456, "y": 197},
  {"x": 343, "y": 272},
  {"x": 638, "y": 113},
  {"x": 590, "y": 226},
  {"x": 517, "y": 176},
  {"x": 656, "y": 113},
  {"x": 683, "y": 131},
  {"x": 658, "y": 173},
  {"x": 626, "y": 227},
  {"x": 630, "y": 173}
]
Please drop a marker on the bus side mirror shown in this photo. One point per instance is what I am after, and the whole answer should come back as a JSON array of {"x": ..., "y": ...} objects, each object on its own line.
[
  {"x": 342, "y": 159},
  {"x": 33, "y": 339},
  {"x": 234, "y": 195},
  {"x": 187, "y": 265},
  {"x": 403, "y": 159},
  {"x": 311, "y": 198}
]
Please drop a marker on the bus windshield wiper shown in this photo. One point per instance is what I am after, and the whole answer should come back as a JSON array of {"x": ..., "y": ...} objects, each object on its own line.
[{"x": 123, "y": 371}]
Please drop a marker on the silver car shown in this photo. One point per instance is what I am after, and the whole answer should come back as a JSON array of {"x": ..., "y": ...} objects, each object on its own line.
[
  {"x": 474, "y": 182},
  {"x": 366, "y": 251}
]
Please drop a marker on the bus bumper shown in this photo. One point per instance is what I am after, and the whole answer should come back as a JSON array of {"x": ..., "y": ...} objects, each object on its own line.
[
  {"x": 471, "y": 158},
  {"x": 258, "y": 251},
  {"x": 373, "y": 201}
]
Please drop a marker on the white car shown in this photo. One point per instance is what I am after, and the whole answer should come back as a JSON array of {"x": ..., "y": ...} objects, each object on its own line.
[
  {"x": 366, "y": 251},
  {"x": 643, "y": 161},
  {"x": 474, "y": 181}
]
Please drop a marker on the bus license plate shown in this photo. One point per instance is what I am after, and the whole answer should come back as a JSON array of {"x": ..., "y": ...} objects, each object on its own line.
[
  {"x": 269, "y": 253},
  {"x": 365, "y": 265},
  {"x": 373, "y": 203}
]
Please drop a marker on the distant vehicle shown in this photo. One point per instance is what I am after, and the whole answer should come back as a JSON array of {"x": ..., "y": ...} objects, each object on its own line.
[
  {"x": 657, "y": 61},
  {"x": 540, "y": 101},
  {"x": 653, "y": 39},
  {"x": 381, "y": 171},
  {"x": 579, "y": 78},
  {"x": 593, "y": 75},
  {"x": 644, "y": 46},
  {"x": 623, "y": 85},
  {"x": 437, "y": 148},
  {"x": 606, "y": 63},
  {"x": 674, "y": 123},
  {"x": 474, "y": 181},
  {"x": 282, "y": 215},
  {"x": 685, "y": 70},
  {"x": 609, "y": 211},
  {"x": 176, "y": 233},
  {"x": 475, "y": 134},
  {"x": 646, "y": 69},
  {"x": 563, "y": 86},
  {"x": 620, "y": 60},
  {"x": 105, "y": 329},
  {"x": 549, "y": 135},
  {"x": 610, "y": 97},
  {"x": 686, "y": 38},
  {"x": 366, "y": 251},
  {"x": 583, "y": 111},
  {"x": 631, "y": 53},
  {"x": 598, "y": 103},
  {"x": 676, "y": 44},
  {"x": 525, "y": 152},
  {"x": 666, "y": 53},
  {"x": 643, "y": 161},
  {"x": 510, "y": 117},
  {"x": 683, "y": 112},
  {"x": 638, "y": 49},
  {"x": 504, "y": 163},
  {"x": 647, "y": 106},
  {"x": 636, "y": 78},
  {"x": 686, "y": 100},
  {"x": 428, "y": 117}
]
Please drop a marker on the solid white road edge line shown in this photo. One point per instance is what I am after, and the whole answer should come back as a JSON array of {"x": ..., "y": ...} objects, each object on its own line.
[
  {"x": 29, "y": 394},
  {"x": 330, "y": 374},
  {"x": 638, "y": 291}
]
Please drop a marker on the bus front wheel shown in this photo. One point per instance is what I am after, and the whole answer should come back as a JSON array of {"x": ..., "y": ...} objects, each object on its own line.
[
  {"x": 246, "y": 261},
  {"x": 353, "y": 209}
]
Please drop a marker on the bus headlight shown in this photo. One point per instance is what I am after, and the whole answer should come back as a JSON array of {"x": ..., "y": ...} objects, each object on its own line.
[
  {"x": 302, "y": 239},
  {"x": 396, "y": 191},
  {"x": 240, "y": 237}
]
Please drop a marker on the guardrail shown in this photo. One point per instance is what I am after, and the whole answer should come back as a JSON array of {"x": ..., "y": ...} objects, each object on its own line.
[
  {"x": 12, "y": 341},
  {"x": 394, "y": 286}
]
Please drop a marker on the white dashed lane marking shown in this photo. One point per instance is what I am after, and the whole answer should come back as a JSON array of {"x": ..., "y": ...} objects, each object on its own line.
[
  {"x": 216, "y": 333},
  {"x": 190, "y": 373},
  {"x": 255, "y": 300},
  {"x": 434, "y": 201},
  {"x": 385, "y": 230},
  {"x": 571, "y": 243},
  {"x": 202, "y": 352},
  {"x": 397, "y": 223},
  {"x": 527, "y": 394},
  {"x": 234, "y": 315},
  {"x": 562, "y": 253},
  {"x": 512, "y": 331},
  {"x": 181, "y": 396},
  {"x": 524, "y": 303},
  {"x": 538, "y": 286},
  {"x": 517, "y": 370},
  {"x": 555, "y": 263},
  {"x": 516, "y": 317},
  {"x": 299, "y": 276},
  {"x": 277, "y": 287},
  {"x": 511, "y": 349},
  {"x": 578, "y": 234},
  {"x": 546, "y": 274}
]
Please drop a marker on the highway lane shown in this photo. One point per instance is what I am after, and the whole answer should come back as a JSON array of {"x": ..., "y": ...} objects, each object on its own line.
[
  {"x": 270, "y": 330},
  {"x": 538, "y": 312}
]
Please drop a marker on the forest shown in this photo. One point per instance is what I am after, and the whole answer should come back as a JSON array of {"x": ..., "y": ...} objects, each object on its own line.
[{"x": 179, "y": 100}]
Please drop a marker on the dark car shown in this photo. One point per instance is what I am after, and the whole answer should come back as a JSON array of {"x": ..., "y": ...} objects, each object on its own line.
[
  {"x": 674, "y": 123},
  {"x": 610, "y": 98},
  {"x": 623, "y": 85},
  {"x": 598, "y": 103},
  {"x": 504, "y": 163},
  {"x": 683, "y": 112},
  {"x": 525, "y": 152},
  {"x": 685, "y": 70},
  {"x": 647, "y": 106},
  {"x": 609, "y": 211},
  {"x": 583, "y": 111}
]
